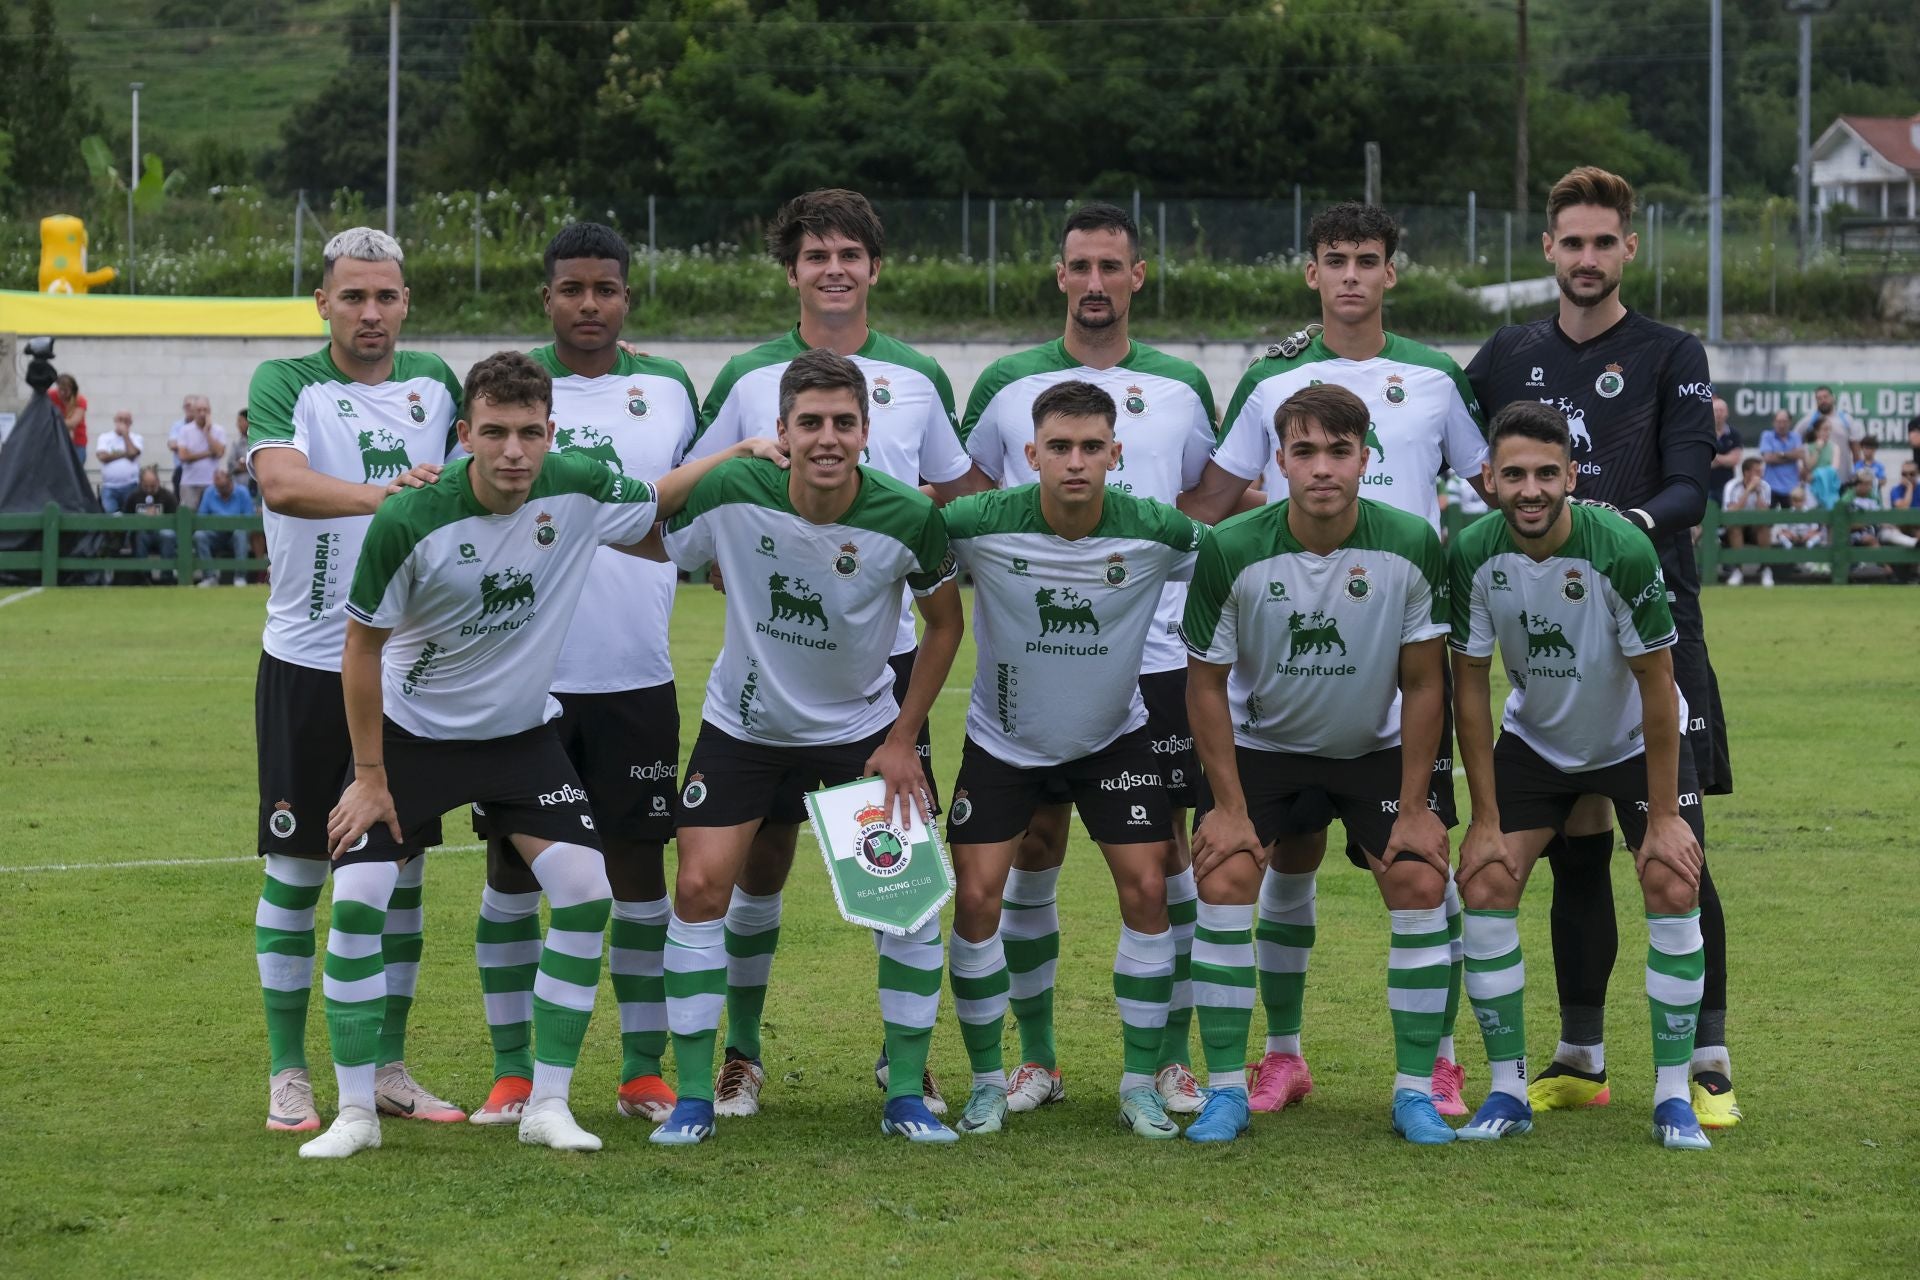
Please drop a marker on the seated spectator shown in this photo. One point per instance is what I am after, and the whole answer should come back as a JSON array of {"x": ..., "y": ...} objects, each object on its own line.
[
  {"x": 1782, "y": 452},
  {"x": 199, "y": 448},
  {"x": 151, "y": 498},
  {"x": 1913, "y": 434},
  {"x": 119, "y": 454},
  {"x": 225, "y": 499},
  {"x": 65, "y": 396},
  {"x": 1906, "y": 494},
  {"x": 1866, "y": 462},
  {"x": 1827, "y": 464},
  {"x": 1727, "y": 448},
  {"x": 1747, "y": 492},
  {"x": 1902, "y": 496}
]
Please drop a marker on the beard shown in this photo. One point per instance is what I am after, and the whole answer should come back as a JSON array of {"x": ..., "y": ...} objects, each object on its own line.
[
  {"x": 1566, "y": 284},
  {"x": 1106, "y": 321},
  {"x": 1511, "y": 514}
]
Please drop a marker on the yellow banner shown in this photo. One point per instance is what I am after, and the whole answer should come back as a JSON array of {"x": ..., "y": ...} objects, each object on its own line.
[{"x": 106, "y": 315}]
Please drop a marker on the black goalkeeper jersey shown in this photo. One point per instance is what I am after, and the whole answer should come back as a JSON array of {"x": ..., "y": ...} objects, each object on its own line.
[{"x": 1639, "y": 401}]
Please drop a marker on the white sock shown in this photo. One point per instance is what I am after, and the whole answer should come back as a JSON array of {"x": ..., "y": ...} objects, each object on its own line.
[
  {"x": 356, "y": 1085},
  {"x": 1590, "y": 1058},
  {"x": 1712, "y": 1058},
  {"x": 1423, "y": 1087},
  {"x": 1669, "y": 1082},
  {"x": 1446, "y": 1049},
  {"x": 1228, "y": 1079},
  {"x": 1284, "y": 1044},
  {"x": 990, "y": 1079},
  {"x": 1509, "y": 1077},
  {"x": 550, "y": 1081}
]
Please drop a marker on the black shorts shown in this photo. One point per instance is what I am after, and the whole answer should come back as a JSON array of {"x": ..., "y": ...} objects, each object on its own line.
[
  {"x": 523, "y": 784},
  {"x": 1120, "y": 791},
  {"x": 1165, "y": 693},
  {"x": 1534, "y": 794},
  {"x": 902, "y": 664},
  {"x": 626, "y": 748},
  {"x": 304, "y": 750},
  {"x": 1706, "y": 736},
  {"x": 1291, "y": 795},
  {"x": 731, "y": 781}
]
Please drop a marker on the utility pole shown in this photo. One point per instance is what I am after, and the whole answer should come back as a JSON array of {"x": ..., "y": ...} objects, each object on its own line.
[
  {"x": 393, "y": 104},
  {"x": 1520, "y": 115},
  {"x": 133, "y": 180},
  {"x": 1715, "y": 156},
  {"x": 1804, "y": 10}
]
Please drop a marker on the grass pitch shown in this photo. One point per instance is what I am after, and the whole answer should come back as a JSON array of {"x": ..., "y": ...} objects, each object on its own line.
[{"x": 133, "y": 1052}]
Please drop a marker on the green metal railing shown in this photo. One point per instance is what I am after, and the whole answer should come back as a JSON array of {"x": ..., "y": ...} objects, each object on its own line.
[
  {"x": 52, "y": 523},
  {"x": 1839, "y": 552}
]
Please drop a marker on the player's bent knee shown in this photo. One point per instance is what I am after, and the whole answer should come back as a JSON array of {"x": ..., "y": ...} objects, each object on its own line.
[
  {"x": 1233, "y": 882},
  {"x": 1412, "y": 884},
  {"x": 1666, "y": 894}
]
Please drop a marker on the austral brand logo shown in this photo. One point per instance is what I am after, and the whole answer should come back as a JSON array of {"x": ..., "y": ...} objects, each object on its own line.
[
  {"x": 282, "y": 822},
  {"x": 1019, "y": 567},
  {"x": 795, "y": 602},
  {"x": 545, "y": 531},
  {"x": 502, "y": 593},
  {"x": 1313, "y": 634},
  {"x": 1359, "y": 588},
  {"x": 1680, "y": 1026},
  {"x": 415, "y": 409},
  {"x": 588, "y": 443},
  {"x": 382, "y": 457},
  {"x": 847, "y": 563},
  {"x": 1611, "y": 382},
  {"x": 881, "y": 849},
  {"x": 1537, "y": 377},
  {"x": 1500, "y": 580},
  {"x": 882, "y": 392},
  {"x": 1116, "y": 574},
  {"x": 636, "y": 403},
  {"x": 766, "y": 545},
  {"x": 1276, "y": 591},
  {"x": 469, "y": 554},
  {"x": 346, "y": 408},
  {"x": 1396, "y": 390},
  {"x": 1573, "y": 590},
  {"x": 1136, "y": 401}
]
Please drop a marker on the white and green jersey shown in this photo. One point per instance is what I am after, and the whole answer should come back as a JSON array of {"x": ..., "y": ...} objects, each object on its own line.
[
  {"x": 1164, "y": 425},
  {"x": 1314, "y": 641},
  {"x": 912, "y": 434},
  {"x": 1060, "y": 625},
  {"x": 352, "y": 432},
  {"x": 479, "y": 604},
  {"x": 1424, "y": 412},
  {"x": 639, "y": 420},
  {"x": 810, "y": 607},
  {"x": 1566, "y": 626}
]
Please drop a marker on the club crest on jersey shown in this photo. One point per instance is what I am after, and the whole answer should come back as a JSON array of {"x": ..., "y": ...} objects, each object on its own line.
[
  {"x": 1396, "y": 390},
  {"x": 1136, "y": 401},
  {"x": 636, "y": 403},
  {"x": 695, "y": 793},
  {"x": 415, "y": 409},
  {"x": 1611, "y": 382},
  {"x": 1116, "y": 574},
  {"x": 545, "y": 532},
  {"x": 847, "y": 563},
  {"x": 962, "y": 808},
  {"x": 282, "y": 822},
  {"x": 1573, "y": 590},
  {"x": 1359, "y": 588},
  {"x": 882, "y": 849},
  {"x": 881, "y": 391}
]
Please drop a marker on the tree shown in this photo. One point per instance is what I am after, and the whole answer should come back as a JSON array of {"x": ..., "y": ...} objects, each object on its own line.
[{"x": 45, "y": 113}]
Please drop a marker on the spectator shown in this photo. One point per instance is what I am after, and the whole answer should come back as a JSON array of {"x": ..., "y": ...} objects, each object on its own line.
[
  {"x": 199, "y": 449},
  {"x": 1805, "y": 536},
  {"x": 1747, "y": 492},
  {"x": 173, "y": 437},
  {"x": 119, "y": 454},
  {"x": 1913, "y": 435},
  {"x": 150, "y": 499},
  {"x": 1866, "y": 462},
  {"x": 1727, "y": 448},
  {"x": 66, "y": 397},
  {"x": 1906, "y": 494},
  {"x": 237, "y": 454},
  {"x": 1822, "y": 467},
  {"x": 1781, "y": 450},
  {"x": 1865, "y": 533},
  {"x": 225, "y": 498},
  {"x": 1844, "y": 433}
]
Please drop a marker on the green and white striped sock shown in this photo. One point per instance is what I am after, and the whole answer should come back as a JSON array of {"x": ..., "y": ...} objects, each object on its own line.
[
  {"x": 574, "y": 879},
  {"x": 400, "y": 946},
  {"x": 980, "y": 983},
  {"x": 1676, "y": 977},
  {"x": 283, "y": 949},
  {"x": 1497, "y": 987},
  {"x": 638, "y": 939},
  {"x": 354, "y": 985},
  {"x": 1183, "y": 902},
  {"x": 1457, "y": 957},
  {"x": 1223, "y": 989},
  {"x": 1142, "y": 986},
  {"x": 696, "y": 984},
  {"x": 909, "y": 1003},
  {"x": 506, "y": 945},
  {"x": 752, "y": 933},
  {"x": 1418, "y": 970},
  {"x": 1030, "y": 931},
  {"x": 1283, "y": 943}
]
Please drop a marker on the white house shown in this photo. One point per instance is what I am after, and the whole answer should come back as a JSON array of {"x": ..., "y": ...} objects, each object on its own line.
[{"x": 1871, "y": 163}]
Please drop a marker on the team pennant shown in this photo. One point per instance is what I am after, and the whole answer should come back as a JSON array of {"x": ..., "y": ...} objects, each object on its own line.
[{"x": 885, "y": 876}]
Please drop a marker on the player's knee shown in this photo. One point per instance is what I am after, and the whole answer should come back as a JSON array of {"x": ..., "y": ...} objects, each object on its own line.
[
  {"x": 1044, "y": 845},
  {"x": 1412, "y": 884},
  {"x": 700, "y": 891},
  {"x": 1235, "y": 880},
  {"x": 1491, "y": 889},
  {"x": 1665, "y": 892},
  {"x": 976, "y": 905},
  {"x": 1143, "y": 891}
]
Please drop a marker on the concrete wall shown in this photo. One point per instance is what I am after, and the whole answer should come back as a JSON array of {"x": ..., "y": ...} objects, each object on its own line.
[{"x": 149, "y": 375}]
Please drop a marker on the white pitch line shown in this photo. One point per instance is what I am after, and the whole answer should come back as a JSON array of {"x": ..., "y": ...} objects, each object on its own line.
[
  {"x": 184, "y": 862},
  {"x": 18, "y": 596}
]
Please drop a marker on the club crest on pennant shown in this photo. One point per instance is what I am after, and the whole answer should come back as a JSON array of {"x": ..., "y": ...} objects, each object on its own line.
[{"x": 881, "y": 847}]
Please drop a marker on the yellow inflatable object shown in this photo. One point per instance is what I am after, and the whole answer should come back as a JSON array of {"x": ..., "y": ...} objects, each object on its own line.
[{"x": 63, "y": 257}]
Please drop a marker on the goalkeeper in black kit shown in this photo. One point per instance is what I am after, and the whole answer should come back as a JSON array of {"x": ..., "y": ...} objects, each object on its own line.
[{"x": 1639, "y": 400}]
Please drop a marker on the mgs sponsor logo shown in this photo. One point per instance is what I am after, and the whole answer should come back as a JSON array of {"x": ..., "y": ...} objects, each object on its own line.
[
  {"x": 881, "y": 849},
  {"x": 589, "y": 443},
  {"x": 567, "y": 794},
  {"x": 1127, "y": 780},
  {"x": 1647, "y": 593},
  {"x": 417, "y": 673},
  {"x": 415, "y": 409},
  {"x": 382, "y": 454},
  {"x": 282, "y": 822},
  {"x": 1313, "y": 634},
  {"x": 1701, "y": 391}
]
